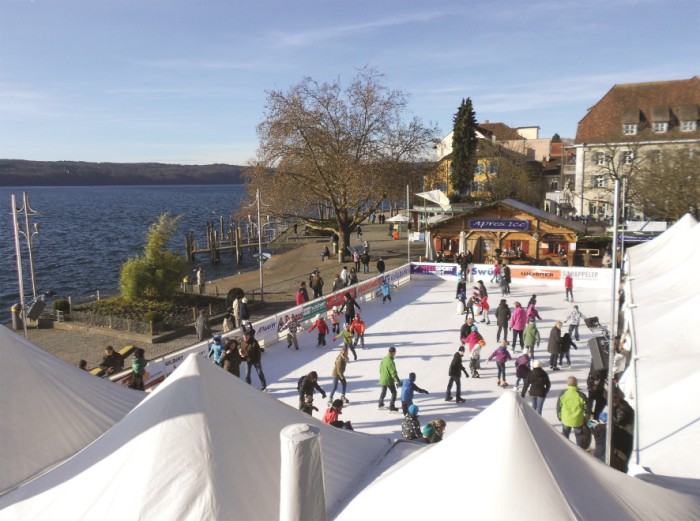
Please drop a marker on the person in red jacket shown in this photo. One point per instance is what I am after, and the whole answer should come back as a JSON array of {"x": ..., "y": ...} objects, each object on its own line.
[
  {"x": 484, "y": 305},
  {"x": 358, "y": 329},
  {"x": 322, "y": 326},
  {"x": 569, "y": 287}
]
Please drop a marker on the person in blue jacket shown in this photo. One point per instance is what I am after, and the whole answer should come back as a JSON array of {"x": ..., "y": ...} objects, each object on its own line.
[
  {"x": 216, "y": 348},
  {"x": 385, "y": 290},
  {"x": 408, "y": 387}
]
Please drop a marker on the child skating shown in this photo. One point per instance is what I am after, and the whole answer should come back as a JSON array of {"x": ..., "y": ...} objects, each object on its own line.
[
  {"x": 346, "y": 335},
  {"x": 501, "y": 355},
  {"x": 322, "y": 327}
]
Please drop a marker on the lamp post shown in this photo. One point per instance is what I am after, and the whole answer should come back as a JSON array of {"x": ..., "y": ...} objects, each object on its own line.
[
  {"x": 257, "y": 203},
  {"x": 27, "y": 210}
]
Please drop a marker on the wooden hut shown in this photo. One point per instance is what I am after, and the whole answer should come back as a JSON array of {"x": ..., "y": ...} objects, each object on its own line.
[{"x": 508, "y": 230}]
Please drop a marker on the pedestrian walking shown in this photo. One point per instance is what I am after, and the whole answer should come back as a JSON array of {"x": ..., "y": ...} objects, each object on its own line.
[
  {"x": 502, "y": 319},
  {"x": 357, "y": 328},
  {"x": 251, "y": 352},
  {"x": 408, "y": 389},
  {"x": 202, "y": 326},
  {"x": 346, "y": 335},
  {"x": 572, "y": 412},
  {"x": 569, "y": 288},
  {"x": 321, "y": 327},
  {"x": 554, "y": 346},
  {"x": 388, "y": 379},
  {"x": 455, "y": 373},
  {"x": 306, "y": 386},
  {"x": 501, "y": 355},
  {"x": 338, "y": 375},
  {"x": 518, "y": 321},
  {"x": 537, "y": 381}
]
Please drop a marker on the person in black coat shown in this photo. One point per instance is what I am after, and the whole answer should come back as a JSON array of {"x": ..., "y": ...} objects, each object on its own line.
[
  {"x": 306, "y": 386},
  {"x": 348, "y": 308},
  {"x": 380, "y": 265},
  {"x": 502, "y": 320},
  {"x": 554, "y": 346},
  {"x": 537, "y": 381},
  {"x": 507, "y": 278},
  {"x": 455, "y": 374}
]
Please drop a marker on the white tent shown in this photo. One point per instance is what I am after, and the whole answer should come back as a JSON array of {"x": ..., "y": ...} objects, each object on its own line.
[
  {"x": 509, "y": 463},
  {"x": 437, "y": 196},
  {"x": 663, "y": 295},
  {"x": 398, "y": 218},
  {"x": 204, "y": 445},
  {"x": 49, "y": 410}
]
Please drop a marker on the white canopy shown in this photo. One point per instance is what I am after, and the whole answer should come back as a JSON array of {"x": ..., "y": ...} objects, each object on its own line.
[
  {"x": 662, "y": 295},
  {"x": 398, "y": 218},
  {"x": 436, "y": 196},
  {"x": 509, "y": 463},
  {"x": 49, "y": 410},
  {"x": 204, "y": 445}
]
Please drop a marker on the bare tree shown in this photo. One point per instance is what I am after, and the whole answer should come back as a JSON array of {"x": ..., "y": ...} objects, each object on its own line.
[{"x": 329, "y": 156}]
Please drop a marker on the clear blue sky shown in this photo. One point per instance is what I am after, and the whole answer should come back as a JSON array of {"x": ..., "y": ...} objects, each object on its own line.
[{"x": 184, "y": 81}]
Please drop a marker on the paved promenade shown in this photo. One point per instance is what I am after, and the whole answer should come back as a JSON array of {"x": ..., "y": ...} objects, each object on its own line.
[{"x": 281, "y": 276}]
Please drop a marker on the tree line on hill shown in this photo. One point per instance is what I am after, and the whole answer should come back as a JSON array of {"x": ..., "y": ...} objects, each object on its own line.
[{"x": 15, "y": 172}]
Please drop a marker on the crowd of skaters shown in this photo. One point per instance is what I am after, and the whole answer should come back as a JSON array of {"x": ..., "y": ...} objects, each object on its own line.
[{"x": 580, "y": 413}]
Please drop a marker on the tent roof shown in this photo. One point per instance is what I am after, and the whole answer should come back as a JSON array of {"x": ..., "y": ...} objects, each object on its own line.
[
  {"x": 507, "y": 448},
  {"x": 204, "y": 445},
  {"x": 663, "y": 296},
  {"x": 50, "y": 410}
]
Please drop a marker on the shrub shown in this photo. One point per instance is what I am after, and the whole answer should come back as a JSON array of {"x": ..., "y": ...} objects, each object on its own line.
[
  {"x": 61, "y": 304},
  {"x": 153, "y": 316}
]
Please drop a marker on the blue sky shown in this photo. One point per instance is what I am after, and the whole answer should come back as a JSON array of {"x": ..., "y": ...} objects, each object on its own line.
[{"x": 184, "y": 81}]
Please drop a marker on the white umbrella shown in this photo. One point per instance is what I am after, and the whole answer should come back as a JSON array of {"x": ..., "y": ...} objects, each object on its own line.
[
  {"x": 398, "y": 219},
  {"x": 462, "y": 242}
]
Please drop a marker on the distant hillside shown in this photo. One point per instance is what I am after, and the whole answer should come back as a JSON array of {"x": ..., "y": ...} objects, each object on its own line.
[{"x": 76, "y": 173}]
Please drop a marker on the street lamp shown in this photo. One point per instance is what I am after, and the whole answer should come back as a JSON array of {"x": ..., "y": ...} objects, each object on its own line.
[
  {"x": 27, "y": 210},
  {"x": 257, "y": 203}
]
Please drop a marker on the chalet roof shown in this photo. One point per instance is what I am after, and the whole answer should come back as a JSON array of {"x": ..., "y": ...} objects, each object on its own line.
[
  {"x": 502, "y": 131},
  {"x": 640, "y": 103},
  {"x": 523, "y": 207}
]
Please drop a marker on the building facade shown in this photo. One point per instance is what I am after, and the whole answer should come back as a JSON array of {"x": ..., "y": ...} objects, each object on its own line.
[{"x": 633, "y": 130}]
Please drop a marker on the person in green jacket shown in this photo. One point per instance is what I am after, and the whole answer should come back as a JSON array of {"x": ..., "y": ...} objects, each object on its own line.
[
  {"x": 138, "y": 368},
  {"x": 531, "y": 336},
  {"x": 389, "y": 379},
  {"x": 571, "y": 411}
]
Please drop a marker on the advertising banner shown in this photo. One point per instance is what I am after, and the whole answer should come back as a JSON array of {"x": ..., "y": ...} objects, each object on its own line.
[
  {"x": 336, "y": 299},
  {"x": 295, "y": 312},
  {"x": 535, "y": 273},
  {"x": 266, "y": 329},
  {"x": 433, "y": 269},
  {"x": 394, "y": 276},
  {"x": 368, "y": 286},
  {"x": 313, "y": 308}
]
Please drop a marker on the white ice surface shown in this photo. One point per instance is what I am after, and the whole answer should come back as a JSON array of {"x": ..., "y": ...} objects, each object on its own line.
[{"x": 423, "y": 325}]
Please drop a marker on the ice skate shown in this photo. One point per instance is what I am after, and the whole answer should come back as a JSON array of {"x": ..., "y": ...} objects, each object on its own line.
[{"x": 345, "y": 400}]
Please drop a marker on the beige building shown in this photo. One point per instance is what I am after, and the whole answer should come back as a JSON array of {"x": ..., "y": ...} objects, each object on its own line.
[{"x": 630, "y": 129}]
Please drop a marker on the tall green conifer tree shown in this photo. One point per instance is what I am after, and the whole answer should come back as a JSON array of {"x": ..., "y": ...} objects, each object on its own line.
[{"x": 464, "y": 143}]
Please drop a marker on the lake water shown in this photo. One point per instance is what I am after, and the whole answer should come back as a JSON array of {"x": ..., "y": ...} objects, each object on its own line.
[{"x": 86, "y": 233}]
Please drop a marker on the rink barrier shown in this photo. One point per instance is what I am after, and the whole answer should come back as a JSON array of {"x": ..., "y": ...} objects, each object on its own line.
[{"x": 269, "y": 330}]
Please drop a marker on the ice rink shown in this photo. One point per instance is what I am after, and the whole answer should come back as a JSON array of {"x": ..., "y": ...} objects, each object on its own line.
[{"x": 423, "y": 324}]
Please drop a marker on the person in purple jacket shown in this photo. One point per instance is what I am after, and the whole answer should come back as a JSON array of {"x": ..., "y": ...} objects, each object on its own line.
[
  {"x": 501, "y": 355},
  {"x": 518, "y": 321}
]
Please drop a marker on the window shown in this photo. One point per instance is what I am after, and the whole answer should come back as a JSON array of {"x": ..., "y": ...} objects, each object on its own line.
[
  {"x": 554, "y": 186},
  {"x": 627, "y": 157},
  {"x": 601, "y": 159},
  {"x": 479, "y": 169},
  {"x": 477, "y": 186},
  {"x": 659, "y": 127},
  {"x": 689, "y": 126},
  {"x": 655, "y": 156},
  {"x": 492, "y": 168},
  {"x": 600, "y": 181},
  {"x": 629, "y": 129}
]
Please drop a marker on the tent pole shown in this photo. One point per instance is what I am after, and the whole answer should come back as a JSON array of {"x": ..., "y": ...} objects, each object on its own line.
[
  {"x": 408, "y": 227},
  {"x": 613, "y": 330},
  {"x": 302, "y": 494}
]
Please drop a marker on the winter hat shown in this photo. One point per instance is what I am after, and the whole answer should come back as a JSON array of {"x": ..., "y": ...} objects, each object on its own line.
[
  {"x": 503, "y": 301},
  {"x": 474, "y": 328},
  {"x": 244, "y": 300},
  {"x": 318, "y": 317},
  {"x": 412, "y": 376},
  {"x": 461, "y": 349},
  {"x": 337, "y": 403},
  {"x": 428, "y": 430},
  {"x": 537, "y": 363},
  {"x": 532, "y": 319},
  {"x": 413, "y": 409}
]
